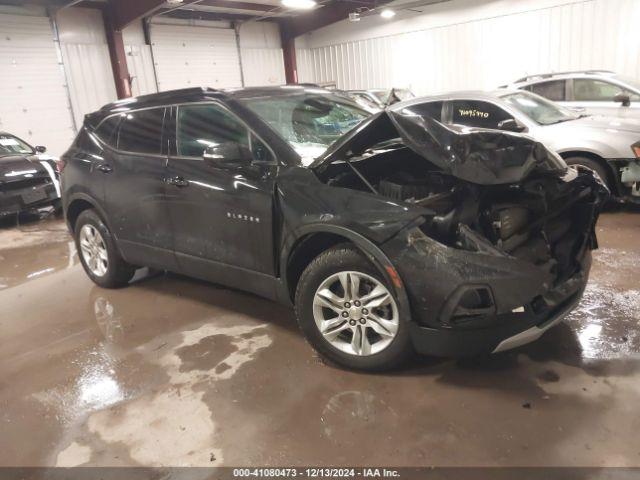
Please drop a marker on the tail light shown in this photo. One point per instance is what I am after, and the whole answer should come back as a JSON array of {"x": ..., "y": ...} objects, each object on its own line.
[
  {"x": 636, "y": 149},
  {"x": 60, "y": 164}
]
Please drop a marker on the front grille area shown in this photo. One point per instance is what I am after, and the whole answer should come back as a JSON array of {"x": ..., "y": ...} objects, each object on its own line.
[{"x": 24, "y": 183}]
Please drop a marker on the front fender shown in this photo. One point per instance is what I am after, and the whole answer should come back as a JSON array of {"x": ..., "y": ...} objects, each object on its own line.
[{"x": 375, "y": 255}]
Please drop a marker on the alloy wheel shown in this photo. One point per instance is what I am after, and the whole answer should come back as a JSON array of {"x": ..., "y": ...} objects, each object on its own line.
[
  {"x": 355, "y": 313},
  {"x": 94, "y": 250}
]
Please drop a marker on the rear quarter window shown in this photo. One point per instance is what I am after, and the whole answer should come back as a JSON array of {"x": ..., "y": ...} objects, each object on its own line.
[{"x": 141, "y": 131}]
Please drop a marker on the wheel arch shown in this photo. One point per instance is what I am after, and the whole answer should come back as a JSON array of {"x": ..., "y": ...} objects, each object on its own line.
[
  {"x": 612, "y": 180},
  {"x": 310, "y": 241},
  {"x": 78, "y": 204}
]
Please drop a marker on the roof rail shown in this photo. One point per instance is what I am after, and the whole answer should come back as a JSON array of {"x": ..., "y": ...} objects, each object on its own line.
[{"x": 551, "y": 75}]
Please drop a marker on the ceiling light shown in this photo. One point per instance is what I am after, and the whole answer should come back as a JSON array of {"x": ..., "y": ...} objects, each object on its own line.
[
  {"x": 299, "y": 4},
  {"x": 387, "y": 13},
  {"x": 174, "y": 2}
]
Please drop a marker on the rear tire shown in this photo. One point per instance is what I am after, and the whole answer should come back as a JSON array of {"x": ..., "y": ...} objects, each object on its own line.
[
  {"x": 98, "y": 253},
  {"x": 371, "y": 339}
]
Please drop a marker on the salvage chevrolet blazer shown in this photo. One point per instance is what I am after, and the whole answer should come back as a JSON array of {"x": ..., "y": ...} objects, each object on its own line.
[{"x": 388, "y": 233}]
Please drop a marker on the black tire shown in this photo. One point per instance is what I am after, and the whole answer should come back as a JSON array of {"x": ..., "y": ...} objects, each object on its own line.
[
  {"x": 118, "y": 272},
  {"x": 590, "y": 164},
  {"x": 337, "y": 259}
]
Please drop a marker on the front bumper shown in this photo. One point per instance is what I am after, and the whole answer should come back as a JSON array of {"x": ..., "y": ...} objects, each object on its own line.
[
  {"x": 626, "y": 174},
  {"x": 523, "y": 299},
  {"x": 509, "y": 330}
]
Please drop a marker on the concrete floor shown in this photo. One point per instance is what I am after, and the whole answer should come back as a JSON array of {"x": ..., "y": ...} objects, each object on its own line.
[{"x": 172, "y": 371}]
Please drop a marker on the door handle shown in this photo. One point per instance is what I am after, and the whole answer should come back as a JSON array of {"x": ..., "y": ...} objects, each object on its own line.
[
  {"x": 105, "y": 168},
  {"x": 178, "y": 182}
]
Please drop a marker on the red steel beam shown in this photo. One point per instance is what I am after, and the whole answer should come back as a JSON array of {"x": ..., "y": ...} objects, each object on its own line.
[
  {"x": 117, "y": 55},
  {"x": 289, "y": 55}
]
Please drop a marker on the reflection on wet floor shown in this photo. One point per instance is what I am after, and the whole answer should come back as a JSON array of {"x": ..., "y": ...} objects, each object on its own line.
[{"x": 172, "y": 371}]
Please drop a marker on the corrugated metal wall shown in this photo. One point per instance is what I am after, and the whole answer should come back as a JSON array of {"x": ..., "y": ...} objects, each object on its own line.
[
  {"x": 485, "y": 52},
  {"x": 34, "y": 102}
]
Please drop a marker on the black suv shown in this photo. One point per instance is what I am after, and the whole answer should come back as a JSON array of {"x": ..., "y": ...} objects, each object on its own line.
[{"x": 389, "y": 233}]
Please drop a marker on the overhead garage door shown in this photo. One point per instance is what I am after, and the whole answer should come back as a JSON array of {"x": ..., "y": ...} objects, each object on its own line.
[
  {"x": 193, "y": 56},
  {"x": 33, "y": 79}
]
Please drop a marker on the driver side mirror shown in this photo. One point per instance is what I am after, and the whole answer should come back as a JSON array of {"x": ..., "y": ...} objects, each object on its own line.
[
  {"x": 229, "y": 154},
  {"x": 511, "y": 125},
  {"x": 622, "y": 98},
  {"x": 40, "y": 149}
]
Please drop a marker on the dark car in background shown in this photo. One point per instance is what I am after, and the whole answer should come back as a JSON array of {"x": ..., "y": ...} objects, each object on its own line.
[
  {"x": 393, "y": 235},
  {"x": 27, "y": 181}
]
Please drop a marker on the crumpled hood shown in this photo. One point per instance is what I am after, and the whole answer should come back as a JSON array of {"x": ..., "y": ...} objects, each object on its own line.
[{"x": 485, "y": 157}]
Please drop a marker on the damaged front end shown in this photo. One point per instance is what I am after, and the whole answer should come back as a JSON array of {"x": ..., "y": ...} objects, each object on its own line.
[{"x": 503, "y": 250}]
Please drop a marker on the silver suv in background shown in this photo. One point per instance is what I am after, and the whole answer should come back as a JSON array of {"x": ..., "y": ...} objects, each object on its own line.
[
  {"x": 608, "y": 146},
  {"x": 597, "y": 92}
]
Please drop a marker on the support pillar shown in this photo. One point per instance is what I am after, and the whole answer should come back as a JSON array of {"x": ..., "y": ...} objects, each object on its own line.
[
  {"x": 289, "y": 53},
  {"x": 118, "y": 57}
]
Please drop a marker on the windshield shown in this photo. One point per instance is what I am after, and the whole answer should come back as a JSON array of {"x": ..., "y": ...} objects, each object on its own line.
[
  {"x": 382, "y": 95},
  {"x": 632, "y": 82},
  {"x": 539, "y": 109},
  {"x": 309, "y": 122},
  {"x": 10, "y": 145}
]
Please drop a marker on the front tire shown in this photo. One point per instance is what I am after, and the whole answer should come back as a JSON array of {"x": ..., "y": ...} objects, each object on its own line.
[
  {"x": 588, "y": 164},
  {"x": 349, "y": 314},
  {"x": 98, "y": 253}
]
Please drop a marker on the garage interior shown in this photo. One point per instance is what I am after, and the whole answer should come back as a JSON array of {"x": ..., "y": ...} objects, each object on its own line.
[{"x": 173, "y": 371}]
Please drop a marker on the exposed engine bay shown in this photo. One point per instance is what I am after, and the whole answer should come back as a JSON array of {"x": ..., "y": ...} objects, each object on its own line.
[{"x": 540, "y": 219}]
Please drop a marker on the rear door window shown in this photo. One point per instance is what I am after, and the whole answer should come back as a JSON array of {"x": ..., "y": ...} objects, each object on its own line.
[
  {"x": 476, "y": 113},
  {"x": 204, "y": 125},
  {"x": 553, "y": 90},
  {"x": 590, "y": 90},
  {"x": 141, "y": 131}
]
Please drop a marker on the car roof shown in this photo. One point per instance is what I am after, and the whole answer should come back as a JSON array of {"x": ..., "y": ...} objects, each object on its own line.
[
  {"x": 195, "y": 94},
  {"x": 535, "y": 78}
]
